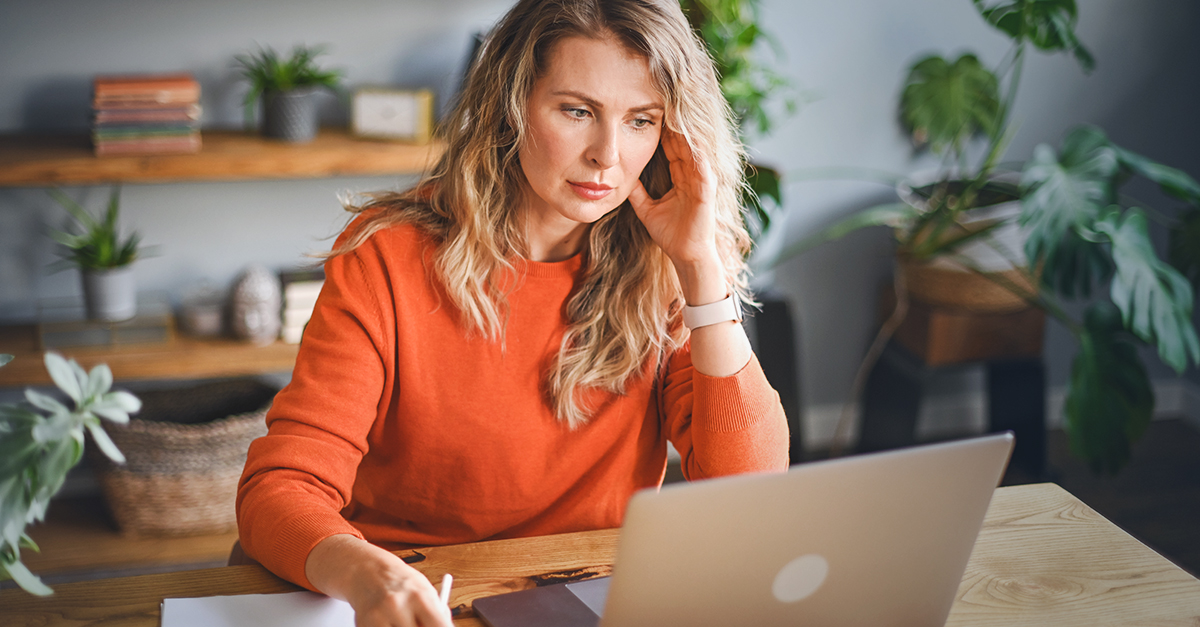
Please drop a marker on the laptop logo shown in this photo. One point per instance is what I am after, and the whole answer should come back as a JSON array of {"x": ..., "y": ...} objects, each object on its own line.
[{"x": 799, "y": 578}]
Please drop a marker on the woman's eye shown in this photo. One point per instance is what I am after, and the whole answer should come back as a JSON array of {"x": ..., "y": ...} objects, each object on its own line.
[
  {"x": 578, "y": 114},
  {"x": 642, "y": 123}
]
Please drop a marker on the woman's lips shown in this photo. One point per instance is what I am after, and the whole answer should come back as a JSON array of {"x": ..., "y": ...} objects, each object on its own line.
[{"x": 590, "y": 191}]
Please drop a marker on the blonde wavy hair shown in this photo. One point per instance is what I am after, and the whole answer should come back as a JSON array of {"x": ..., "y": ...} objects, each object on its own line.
[{"x": 623, "y": 316}]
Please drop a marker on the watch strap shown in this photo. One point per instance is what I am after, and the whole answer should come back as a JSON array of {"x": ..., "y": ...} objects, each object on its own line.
[{"x": 701, "y": 316}]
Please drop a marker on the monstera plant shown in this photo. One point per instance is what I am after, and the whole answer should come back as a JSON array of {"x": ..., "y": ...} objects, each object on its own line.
[{"x": 1084, "y": 240}]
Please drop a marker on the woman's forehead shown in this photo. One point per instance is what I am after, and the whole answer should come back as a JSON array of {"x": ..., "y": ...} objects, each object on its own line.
[{"x": 598, "y": 67}]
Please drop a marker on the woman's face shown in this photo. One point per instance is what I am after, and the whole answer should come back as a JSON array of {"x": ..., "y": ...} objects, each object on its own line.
[{"x": 593, "y": 122}]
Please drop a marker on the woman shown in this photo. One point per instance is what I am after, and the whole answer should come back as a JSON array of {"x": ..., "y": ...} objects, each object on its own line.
[{"x": 505, "y": 350}]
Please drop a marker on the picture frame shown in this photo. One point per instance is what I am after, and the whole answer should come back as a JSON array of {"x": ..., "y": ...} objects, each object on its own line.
[{"x": 392, "y": 114}]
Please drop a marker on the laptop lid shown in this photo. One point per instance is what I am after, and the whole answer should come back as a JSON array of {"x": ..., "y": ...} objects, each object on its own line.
[{"x": 879, "y": 539}]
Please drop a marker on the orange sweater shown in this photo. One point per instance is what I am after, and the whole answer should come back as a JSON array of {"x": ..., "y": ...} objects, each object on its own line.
[{"x": 399, "y": 428}]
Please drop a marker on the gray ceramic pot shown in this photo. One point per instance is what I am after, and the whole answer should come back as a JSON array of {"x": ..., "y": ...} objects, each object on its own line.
[
  {"x": 110, "y": 295},
  {"x": 290, "y": 115}
]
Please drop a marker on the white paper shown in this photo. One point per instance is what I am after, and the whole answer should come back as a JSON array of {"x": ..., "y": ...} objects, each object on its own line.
[{"x": 290, "y": 609}]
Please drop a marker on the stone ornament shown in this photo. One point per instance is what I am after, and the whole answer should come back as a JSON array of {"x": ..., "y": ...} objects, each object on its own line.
[{"x": 255, "y": 306}]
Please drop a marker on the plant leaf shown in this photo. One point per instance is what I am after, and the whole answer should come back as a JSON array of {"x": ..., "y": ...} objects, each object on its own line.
[
  {"x": 762, "y": 182},
  {"x": 1048, "y": 24},
  {"x": 1155, "y": 299},
  {"x": 55, "y": 462},
  {"x": 64, "y": 376},
  {"x": 128, "y": 403},
  {"x": 946, "y": 104},
  {"x": 28, "y": 581},
  {"x": 1174, "y": 182},
  {"x": 28, "y": 543},
  {"x": 47, "y": 403},
  {"x": 1062, "y": 195},
  {"x": 81, "y": 216},
  {"x": 106, "y": 444},
  {"x": 14, "y": 509},
  {"x": 57, "y": 426},
  {"x": 1183, "y": 249},
  {"x": 895, "y": 215},
  {"x": 1109, "y": 402},
  {"x": 99, "y": 380},
  {"x": 1076, "y": 264},
  {"x": 116, "y": 407}
]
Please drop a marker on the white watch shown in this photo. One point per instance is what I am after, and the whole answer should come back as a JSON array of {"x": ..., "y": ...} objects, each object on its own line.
[{"x": 728, "y": 309}]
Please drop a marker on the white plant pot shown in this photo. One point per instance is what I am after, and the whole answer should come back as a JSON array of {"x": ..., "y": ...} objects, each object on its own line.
[{"x": 109, "y": 295}]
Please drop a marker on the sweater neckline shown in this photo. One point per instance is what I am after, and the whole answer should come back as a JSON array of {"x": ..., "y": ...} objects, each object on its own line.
[{"x": 567, "y": 268}]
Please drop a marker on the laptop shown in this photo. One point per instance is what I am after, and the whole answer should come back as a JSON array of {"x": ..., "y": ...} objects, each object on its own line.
[{"x": 874, "y": 540}]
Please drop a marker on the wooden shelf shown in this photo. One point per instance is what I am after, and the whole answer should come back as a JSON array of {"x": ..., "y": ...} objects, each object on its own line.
[
  {"x": 182, "y": 358},
  {"x": 40, "y": 160},
  {"x": 80, "y": 541}
]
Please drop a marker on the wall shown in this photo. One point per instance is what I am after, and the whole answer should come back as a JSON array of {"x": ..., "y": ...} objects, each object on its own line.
[{"x": 851, "y": 55}]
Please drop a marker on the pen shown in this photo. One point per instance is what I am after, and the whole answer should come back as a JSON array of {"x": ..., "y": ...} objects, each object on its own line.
[{"x": 444, "y": 595}]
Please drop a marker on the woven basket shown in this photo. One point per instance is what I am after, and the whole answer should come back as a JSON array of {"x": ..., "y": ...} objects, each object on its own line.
[
  {"x": 184, "y": 455},
  {"x": 951, "y": 288}
]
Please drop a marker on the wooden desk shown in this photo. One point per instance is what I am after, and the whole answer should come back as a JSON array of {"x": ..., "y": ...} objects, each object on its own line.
[{"x": 1043, "y": 558}]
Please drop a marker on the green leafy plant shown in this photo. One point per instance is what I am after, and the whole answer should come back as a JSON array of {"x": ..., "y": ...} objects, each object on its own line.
[
  {"x": 99, "y": 245},
  {"x": 40, "y": 440},
  {"x": 268, "y": 71},
  {"x": 1082, "y": 233},
  {"x": 731, "y": 32}
]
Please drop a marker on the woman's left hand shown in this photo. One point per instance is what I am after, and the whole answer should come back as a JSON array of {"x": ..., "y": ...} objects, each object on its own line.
[{"x": 683, "y": 221}]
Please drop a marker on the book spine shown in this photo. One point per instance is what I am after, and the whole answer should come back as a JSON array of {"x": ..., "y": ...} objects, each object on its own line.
[
  {"x": 162, "y": 99},
  {"x": 190, "y": 113},
  {"x": 291, "y": 335},
  {"x": 151, "y": 145},
  {"x": 171, "y": 88},
  {"x": 125, "y": 105},
  {"x": 297, "y": 317},
  {"x": 302, "y": 292},
  {"x": 133, "y": 132}
]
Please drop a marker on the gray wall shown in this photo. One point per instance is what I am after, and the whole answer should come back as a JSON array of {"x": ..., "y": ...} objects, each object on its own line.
[{"x": 850, "y": 55}]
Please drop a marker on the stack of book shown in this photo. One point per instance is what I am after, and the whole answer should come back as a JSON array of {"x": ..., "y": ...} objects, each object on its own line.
[
  {"x": 300, "y": 291},
  {"x": 146, "y": 114}
]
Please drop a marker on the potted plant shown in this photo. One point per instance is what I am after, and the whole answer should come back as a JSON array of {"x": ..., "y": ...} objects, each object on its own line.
[
  {"x": 286, "y": 87},
  {"x": 103, "y": 257},
  {"x": 1077, "y": 233},
  {"x": 42, "y": 440},
  {"x": 731, "y": 31}
]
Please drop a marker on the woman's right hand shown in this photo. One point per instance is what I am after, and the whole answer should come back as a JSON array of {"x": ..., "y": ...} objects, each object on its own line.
[{"x": 382, "y": 589}]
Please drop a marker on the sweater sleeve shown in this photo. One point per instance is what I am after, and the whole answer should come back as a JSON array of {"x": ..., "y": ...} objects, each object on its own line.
[
  {"x": 300, "y": 475},
  {"x": 723, "y": 425}
]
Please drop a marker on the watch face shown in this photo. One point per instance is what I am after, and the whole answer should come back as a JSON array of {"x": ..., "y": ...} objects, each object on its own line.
[{"x": 392, "y": 114}]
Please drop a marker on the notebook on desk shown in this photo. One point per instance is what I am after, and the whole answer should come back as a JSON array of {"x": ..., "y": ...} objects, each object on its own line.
[{"x": 880, "y": 539}]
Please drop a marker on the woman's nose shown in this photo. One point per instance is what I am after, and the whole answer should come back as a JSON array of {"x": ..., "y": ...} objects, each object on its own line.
[{"x": 604, "y": 151}]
